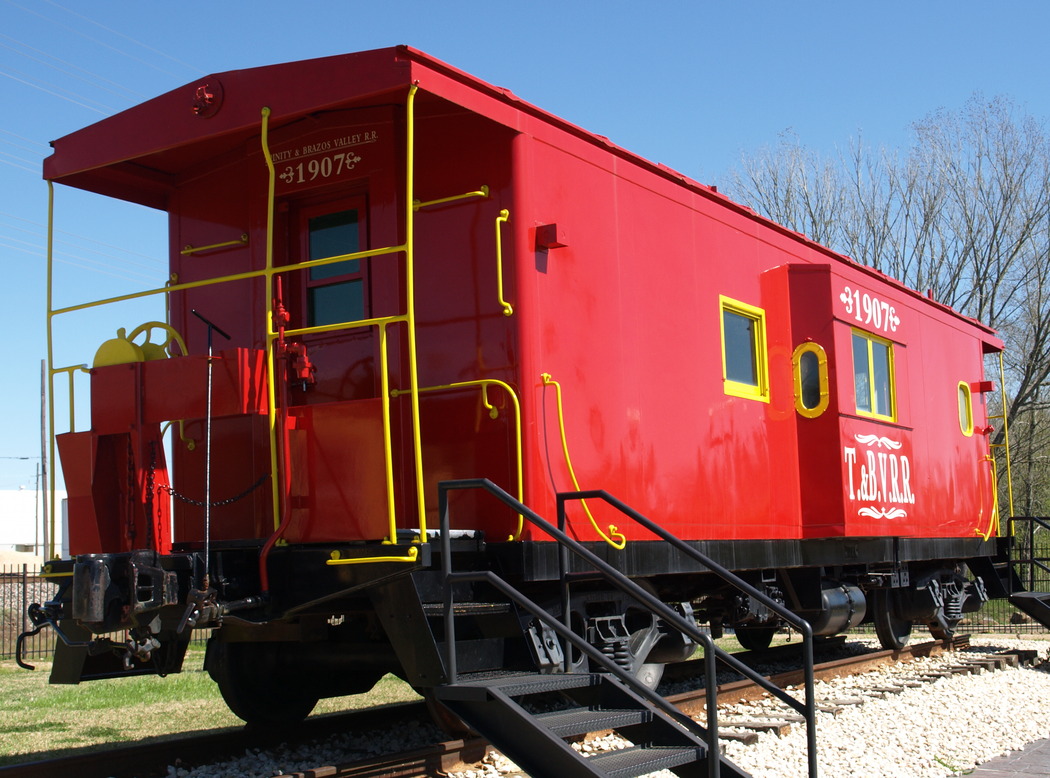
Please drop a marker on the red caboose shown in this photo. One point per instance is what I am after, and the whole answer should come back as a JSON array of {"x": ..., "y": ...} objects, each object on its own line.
[{"x": 405, "y": 276}]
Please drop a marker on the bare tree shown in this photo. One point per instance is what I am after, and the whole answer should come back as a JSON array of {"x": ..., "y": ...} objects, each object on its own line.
[{"x": 964, "y": 213}]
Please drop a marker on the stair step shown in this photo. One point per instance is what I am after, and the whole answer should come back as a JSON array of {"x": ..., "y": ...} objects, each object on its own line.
[
  {"x": 477, "y": 687},
  {"x": 580, "y": 721},
  {"x": 1035, "y": 604},
  {"x": 638, "y": 760},
  {"x": 469, "y": 608}
]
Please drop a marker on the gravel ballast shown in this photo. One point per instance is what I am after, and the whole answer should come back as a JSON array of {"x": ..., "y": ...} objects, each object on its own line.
[
  {"x": 935, "y": 729},
  {"x": 930, "y": 729}
]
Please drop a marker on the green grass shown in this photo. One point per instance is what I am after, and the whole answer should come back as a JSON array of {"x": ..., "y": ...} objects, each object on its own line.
[{"x": 38, "y": 720}]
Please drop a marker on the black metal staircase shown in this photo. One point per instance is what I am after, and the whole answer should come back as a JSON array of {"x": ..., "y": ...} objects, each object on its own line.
[
  {"x": 1029, "y": 568},
  {"x": 531, "y": 717},
  {"x": 587, "y": 702}
]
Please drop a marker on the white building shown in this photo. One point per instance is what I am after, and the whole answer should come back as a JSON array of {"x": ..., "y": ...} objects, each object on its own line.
[{"x": 21, "y": 531}]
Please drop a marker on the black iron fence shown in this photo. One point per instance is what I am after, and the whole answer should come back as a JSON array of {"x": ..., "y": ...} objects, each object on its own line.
[{"x": 20, "y": 586}]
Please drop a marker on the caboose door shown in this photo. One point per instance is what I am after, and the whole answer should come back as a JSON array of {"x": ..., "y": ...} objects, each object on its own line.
[{"x": 339, "y": 203}]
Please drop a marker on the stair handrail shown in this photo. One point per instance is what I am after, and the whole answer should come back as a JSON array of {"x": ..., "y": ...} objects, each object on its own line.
[
  {"x": 711, "y": 652},
  {"x": 1031, "y": 561},
  {"x": 710, "y": 735}
]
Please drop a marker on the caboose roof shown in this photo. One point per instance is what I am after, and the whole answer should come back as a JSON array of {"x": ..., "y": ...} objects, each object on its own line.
[{"x": 138, "y": 154}]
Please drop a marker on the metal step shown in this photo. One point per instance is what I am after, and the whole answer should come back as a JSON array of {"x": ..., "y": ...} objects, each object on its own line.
[
  {"x": 1035, "y": 604},
  {"x": 579, "y": 721},
  {"x": 477, "y": 686},
  {"x": 469, "y": 608},
  {"x": 498, "y": 706},
  {"x": 637, "y": 760},
  {"x": 999, "y": 576}
]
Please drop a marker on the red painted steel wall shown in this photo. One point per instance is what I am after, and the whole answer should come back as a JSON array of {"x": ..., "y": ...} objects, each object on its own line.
[{"x": 615, "y": 268}]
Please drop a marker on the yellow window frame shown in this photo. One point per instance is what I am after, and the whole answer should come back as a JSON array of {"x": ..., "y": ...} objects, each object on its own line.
[
  {"x": 759, "y": 350},
  {"x": 870, "y": 340},
  {"x": 965, "y": 400},
  {"x": 822, "y": 377}
]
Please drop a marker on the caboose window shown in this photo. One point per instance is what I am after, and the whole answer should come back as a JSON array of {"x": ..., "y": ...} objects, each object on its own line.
[
  {"x": 810, "y": 362},
  {"x": 745, "y": 368},
  {"x": 873, "y": 376},
  {"x": 336, "y": 292}
]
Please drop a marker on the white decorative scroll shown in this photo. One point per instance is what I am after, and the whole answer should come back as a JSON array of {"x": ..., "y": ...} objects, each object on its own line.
[
  {"x": 881, "y": 442},
  {"x": 876, "y": 513}
]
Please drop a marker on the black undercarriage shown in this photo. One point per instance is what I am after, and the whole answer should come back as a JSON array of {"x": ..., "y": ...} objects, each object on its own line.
[{"x": 329, "y": 629}]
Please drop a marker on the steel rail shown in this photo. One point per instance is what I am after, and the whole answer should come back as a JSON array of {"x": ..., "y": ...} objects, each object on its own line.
[{"x": 152, "y": 758}]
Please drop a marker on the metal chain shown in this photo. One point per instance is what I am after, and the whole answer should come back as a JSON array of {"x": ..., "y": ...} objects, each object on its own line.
[
  {"x": 219, "y": 503},
  {"x": 130, "y": 501}
]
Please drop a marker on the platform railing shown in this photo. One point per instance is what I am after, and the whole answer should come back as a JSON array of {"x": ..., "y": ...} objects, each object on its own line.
[
  {"x": 1005, "y": 444},
  {"x": 688, "y": 627},
  {"x": 1031, "y": 551},
  {"x": 267, "y": 275}
]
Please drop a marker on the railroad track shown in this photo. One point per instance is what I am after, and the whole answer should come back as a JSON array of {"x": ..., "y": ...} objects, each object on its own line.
[{"x": 149, "y": 759}]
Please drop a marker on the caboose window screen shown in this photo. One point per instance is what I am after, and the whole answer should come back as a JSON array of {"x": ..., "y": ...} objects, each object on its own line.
[
  {"x": 745, "y": 362},
  {"x": 334, "y": 293},
  {"x": 873, "y": 380}
]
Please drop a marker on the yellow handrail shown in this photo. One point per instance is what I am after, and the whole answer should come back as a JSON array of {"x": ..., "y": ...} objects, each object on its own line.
[
  {"x": 621, "y": 540},
  {"x": 410, "y": 305},
  {"x": 1005, "y": 445},
  {"x": 484, "y": 383},
  {"x": 483, "y": 192},
  {"x": 267, "y": 274},
  {"x": 993, "y": 525},
  {"x": 241, "y": 241},
  {"x": 412, "y": 555},
  {"x": 69, "y": 371},
  {"x": 271, "y": 335},
  {"x": 508, "y": 309}
]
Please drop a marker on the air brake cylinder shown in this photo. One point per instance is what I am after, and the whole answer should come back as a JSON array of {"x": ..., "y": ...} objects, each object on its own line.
[{"x": 842, "y": 606}]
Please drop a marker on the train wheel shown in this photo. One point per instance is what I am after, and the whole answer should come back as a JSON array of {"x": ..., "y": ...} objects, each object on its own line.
[
  {"x": 755, "y": 638},
  {"x": 257, "y": 685},
  {"x": 893, "y": 632}
]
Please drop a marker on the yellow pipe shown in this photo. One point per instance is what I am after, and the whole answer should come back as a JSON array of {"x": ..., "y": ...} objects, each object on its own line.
[
  {"x": 508, "y": 309},
  {"x": 388, "y": 445},
  {"x": 1006, "y": 437},
  {"x": 271, "y": 394},
  {"x": 621, "y": 540},
  {"x": 483, "y": 192},
  {"x": 242, "y": 241},
  {"x": 345, "y": 325},
  {"x": 484, "y": 383},
  {"x": 69, "y": 372},
  {"x": 993, "y": 525},
  {"x": 249, "y": 274},
  {"x": 410, "y": 301},
  {"x": 411, "y": 556}
]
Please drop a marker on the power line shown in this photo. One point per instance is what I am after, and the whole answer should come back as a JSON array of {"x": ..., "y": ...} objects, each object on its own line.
[
  {"x": 18, "y": 159},
  {"x": 72, "y": 260},
  {"x": 137, "y": 42},
  {"x": 128, "y": 94},
  {"x": 154, "y": 262},
  {"x": 84, "y": 35},
  {"x": 20, "y": 167},
  {"x": 54, "y": 94},
  {"x": 43, "y": 146}
]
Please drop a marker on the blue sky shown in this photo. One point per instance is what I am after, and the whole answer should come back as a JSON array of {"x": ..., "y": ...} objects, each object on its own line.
[{"x": 690, "y": 84}]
